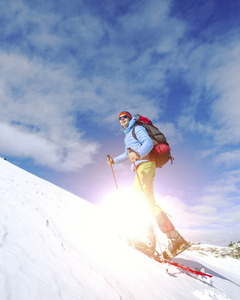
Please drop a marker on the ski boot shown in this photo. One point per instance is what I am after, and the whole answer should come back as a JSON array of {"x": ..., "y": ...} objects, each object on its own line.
[
  {"x": 176, "y": 244},
  {"x": 145, "y": 243}
]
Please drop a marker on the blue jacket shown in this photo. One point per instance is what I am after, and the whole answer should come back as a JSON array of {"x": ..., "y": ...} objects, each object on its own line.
[{"x": 142, "y": 146}]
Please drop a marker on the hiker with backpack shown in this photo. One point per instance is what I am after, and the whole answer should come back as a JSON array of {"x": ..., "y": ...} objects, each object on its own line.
[{"x": 144, "y": 153}]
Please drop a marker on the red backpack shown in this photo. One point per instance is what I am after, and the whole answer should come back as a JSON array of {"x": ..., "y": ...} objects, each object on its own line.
[{"x": 160, "y": 153}]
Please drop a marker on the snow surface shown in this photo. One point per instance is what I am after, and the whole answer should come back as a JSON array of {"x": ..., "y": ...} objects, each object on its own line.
[{"x": 55, "y": 245}]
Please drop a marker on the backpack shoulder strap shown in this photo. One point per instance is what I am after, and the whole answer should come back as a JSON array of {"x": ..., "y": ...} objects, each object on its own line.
[
  {"x": 137, "y": 117},
  {"x": 134, "y": 133}
]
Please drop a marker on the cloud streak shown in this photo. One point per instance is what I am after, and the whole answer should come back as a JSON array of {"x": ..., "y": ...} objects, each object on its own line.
[
  {"x": 214, "y": 217},
  {"x": 38, "y": 111}
]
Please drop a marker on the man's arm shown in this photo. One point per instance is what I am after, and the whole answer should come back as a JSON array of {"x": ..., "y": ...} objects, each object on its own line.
[
  {"x": 121, "y": 158},
  {"x": 145, "y": 140}
]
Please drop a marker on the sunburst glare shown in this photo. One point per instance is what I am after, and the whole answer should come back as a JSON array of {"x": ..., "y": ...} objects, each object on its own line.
[{"x": 127, "y": 211}]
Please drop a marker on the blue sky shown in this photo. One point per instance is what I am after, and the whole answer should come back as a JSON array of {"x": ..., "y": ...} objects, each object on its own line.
[{"x": 68, "y": 68}]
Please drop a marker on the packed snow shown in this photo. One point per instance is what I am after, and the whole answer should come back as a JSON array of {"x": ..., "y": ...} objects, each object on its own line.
[{"x": 55, "y": 245}]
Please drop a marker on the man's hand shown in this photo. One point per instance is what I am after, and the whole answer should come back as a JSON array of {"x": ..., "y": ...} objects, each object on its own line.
[
  {"x": 133, "y": 156},
  {"x": 110, "y": 160}
]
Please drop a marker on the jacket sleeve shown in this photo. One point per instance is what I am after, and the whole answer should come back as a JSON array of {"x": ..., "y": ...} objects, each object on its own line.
[
  {"x": 121, "y": 158},
  {"x": 145, "y": 141}
]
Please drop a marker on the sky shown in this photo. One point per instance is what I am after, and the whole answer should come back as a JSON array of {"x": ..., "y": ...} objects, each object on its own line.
[{"x": 68, "y": 69}]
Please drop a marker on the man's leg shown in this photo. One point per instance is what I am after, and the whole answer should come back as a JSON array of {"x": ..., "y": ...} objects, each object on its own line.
[{"x": 146, "y": 172}]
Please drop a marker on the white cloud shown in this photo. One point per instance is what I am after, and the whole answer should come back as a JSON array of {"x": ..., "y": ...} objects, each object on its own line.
[
  {"x": 224, "y": 79},
  {"x": 39, "y": 102},
  {"x": 172, "y": 134},
  {"x": 214, "y": 216},
  {"x": 205, "y": 222},
  {"x": 28, "y": 26},
  {"x": 213, "y": 74},
  {"x": 53, "y": 37},
  {"x": 229, "y": 158},
  {"x": 67, "y": 155},
  {"x": 42, "y": 100},
  {"x": 224, "y": 189}
]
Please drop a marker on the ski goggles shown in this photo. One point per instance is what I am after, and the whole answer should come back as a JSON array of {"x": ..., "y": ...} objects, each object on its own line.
[{"x": 123, "y": 117}]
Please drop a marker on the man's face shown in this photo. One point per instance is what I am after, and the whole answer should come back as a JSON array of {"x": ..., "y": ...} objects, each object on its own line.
[{"x": 124, "y": 121}]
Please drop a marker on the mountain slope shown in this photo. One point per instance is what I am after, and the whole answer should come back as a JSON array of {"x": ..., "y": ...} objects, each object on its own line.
[{"x": 54, "y": 245}]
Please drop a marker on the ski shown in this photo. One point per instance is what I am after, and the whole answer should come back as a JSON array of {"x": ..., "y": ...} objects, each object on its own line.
[
  {"x": 158, "y": 257},
  {"x": 180, "y": 266}
]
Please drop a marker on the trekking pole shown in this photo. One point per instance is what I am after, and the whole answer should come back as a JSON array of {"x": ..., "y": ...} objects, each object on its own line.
[
  {"x": 108, "y": 156},
  {"x": 153, "y": 219}
]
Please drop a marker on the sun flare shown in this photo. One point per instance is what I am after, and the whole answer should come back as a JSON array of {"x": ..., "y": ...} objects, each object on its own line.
[{"x": 128, "y": 213}]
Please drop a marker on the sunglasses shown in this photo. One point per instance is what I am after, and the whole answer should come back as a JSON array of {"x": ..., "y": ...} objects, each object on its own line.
[{"x": 123, "y": 117}]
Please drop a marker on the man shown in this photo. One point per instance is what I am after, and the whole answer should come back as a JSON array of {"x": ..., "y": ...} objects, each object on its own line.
[{"x": 140, "y": 149}]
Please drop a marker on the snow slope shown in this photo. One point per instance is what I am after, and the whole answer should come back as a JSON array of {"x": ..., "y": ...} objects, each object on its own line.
[{"x": 54, "y": 245}]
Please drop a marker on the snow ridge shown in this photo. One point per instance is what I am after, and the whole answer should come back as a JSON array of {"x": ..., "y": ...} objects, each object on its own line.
[{"x": 55, "y": 245}]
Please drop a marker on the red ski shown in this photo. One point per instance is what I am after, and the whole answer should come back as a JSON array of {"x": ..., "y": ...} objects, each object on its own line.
[
  {"x": 180, "y": 266},
  {"x": 157, "y": 257}
]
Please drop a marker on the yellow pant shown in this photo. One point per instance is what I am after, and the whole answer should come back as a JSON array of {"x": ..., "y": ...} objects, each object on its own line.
[{"x": 146, "y": 172}]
